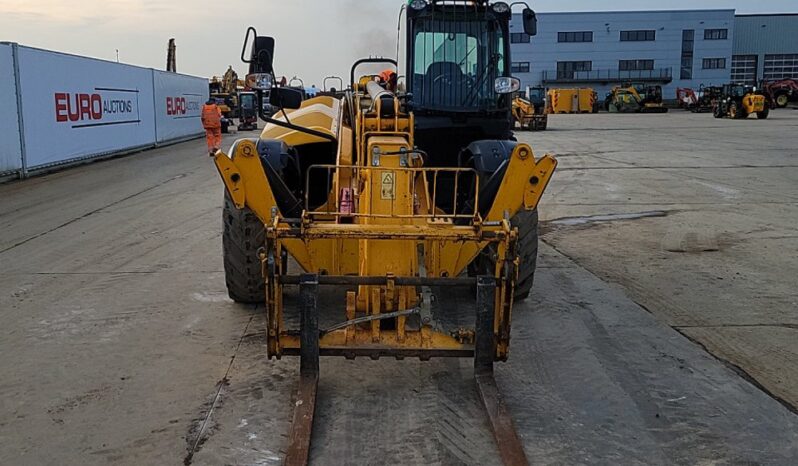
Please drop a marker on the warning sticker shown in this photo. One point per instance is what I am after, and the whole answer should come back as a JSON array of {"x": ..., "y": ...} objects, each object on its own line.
[{"x": 388, "y": 182}]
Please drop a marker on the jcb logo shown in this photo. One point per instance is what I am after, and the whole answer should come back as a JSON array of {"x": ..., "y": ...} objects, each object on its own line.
[{"x": 175, "y": 105}]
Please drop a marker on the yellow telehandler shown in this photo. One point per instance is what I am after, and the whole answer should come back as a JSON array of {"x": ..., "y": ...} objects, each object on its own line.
[
  {"x": 388, "y": 197},
  {"x": 530, "y": 112},
  {"x": 738, "y": 101}
]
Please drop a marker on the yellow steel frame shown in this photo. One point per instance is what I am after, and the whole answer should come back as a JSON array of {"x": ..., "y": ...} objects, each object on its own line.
[
  {"x": 754, "y": 103},
  {"x": 394, "y": 219}
]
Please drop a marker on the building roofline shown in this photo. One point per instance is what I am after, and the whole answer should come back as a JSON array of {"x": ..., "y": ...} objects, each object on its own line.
[
  {"x": 715, "y": 10},
  {"x": 765, "y": 14}
]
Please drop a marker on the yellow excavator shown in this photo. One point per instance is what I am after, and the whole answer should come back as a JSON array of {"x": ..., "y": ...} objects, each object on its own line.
[
  {"x": 530, "y": 113},
  {"x": 388, "y": 197},
  {"x": 635, "y": 99},
  {"x": 225, "y": 90}
]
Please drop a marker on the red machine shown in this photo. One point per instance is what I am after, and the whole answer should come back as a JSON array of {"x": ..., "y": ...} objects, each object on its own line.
[
  {"x": 686, "y": 97},
  {"x": 781, "y": 92},
  {"x": 698, "y": 102}
]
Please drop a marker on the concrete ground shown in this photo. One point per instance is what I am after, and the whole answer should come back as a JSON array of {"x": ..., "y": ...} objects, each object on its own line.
[
  {"x": 715, "y": 252},
  {"x": 122, "y": 347}
]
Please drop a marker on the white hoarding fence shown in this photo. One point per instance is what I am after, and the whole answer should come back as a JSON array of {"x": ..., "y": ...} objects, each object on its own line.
[
  {"x": 59, "y": 108},
  {"x": 178, "y": 104},
  {"x": 10, "y": 142},
  {"x": 75, "y": 107}
]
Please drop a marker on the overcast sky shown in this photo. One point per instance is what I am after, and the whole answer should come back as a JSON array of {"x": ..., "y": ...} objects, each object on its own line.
[{"x": 315, "y": 38}]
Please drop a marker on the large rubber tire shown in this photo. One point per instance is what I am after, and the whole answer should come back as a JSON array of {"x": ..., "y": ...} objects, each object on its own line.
[
  {"x": 527, "y": 223},
  {"x": 243, "y": 235},
  {"x": 782, "y": 100},
  {"x": 763, "y": 114}
]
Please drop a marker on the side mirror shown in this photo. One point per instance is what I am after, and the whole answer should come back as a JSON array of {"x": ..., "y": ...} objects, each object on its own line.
[
  {"x": 285, "y": 97},
  {"x": 530, "y": 22},
  {"x": 506, "y": 85},
  {"x": 261, "y": 58}
]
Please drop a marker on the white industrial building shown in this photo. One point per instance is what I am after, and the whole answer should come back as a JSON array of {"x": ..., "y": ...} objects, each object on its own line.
[{"x": 684, "y": 48}]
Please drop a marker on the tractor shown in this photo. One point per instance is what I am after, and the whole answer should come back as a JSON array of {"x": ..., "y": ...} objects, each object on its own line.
[
  {"x": 387, "y": 197},
  {"x": 781, "y": 92},
  {"x": 738, "y": 101}
]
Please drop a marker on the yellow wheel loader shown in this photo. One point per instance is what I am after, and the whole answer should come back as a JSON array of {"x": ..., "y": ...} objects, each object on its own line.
[{"x": 389, "y": 197}]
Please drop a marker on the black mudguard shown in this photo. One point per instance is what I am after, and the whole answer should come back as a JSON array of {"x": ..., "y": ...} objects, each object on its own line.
[{"x": 489, "y": 158}]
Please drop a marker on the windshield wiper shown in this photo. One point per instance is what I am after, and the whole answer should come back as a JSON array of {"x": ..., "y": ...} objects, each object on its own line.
[
  {"x": 466, "y": 56},
  {"x": 494, "y": 60}
]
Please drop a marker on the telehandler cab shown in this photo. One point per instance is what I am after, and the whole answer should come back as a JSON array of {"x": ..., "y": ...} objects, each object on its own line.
[{"x": 390, "y": 196}]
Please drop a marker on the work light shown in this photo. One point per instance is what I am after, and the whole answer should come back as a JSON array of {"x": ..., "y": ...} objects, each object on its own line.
[
  {"x": 500, "y": 8},
  {"x": 418, "y": 5},
  {"x": 506, "y": 85}
]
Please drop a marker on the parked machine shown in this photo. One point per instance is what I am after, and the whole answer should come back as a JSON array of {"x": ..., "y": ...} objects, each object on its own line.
[
  {"x": 686, "y": 97},
  {"x": 581, "y": 100},
  {"x": 781, "y": 93},
  {"x": 635, "y": 99},
  {"x": 738, "y": 101},
  {"x": 384, "y": 196},
  {"x": 333, "y": 86},
  {"x": 248, "y": 111},
  {"x": 530, "y": 112},
  {"x": 698, "y": 102},
  {"x": 225, "y": 91}
]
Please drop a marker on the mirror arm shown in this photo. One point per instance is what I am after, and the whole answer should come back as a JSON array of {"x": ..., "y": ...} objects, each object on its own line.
[
  {"x": 285, "y": 115},
  {"x": 246, "y": 41}
]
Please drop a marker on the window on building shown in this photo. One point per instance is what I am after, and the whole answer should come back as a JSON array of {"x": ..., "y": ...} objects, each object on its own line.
[
  {"x": 743, "y": 69},
  {"x": 714, "y": 64},
  {"x": 566, "y": 69},
  {"x": 637, "y": 36},
  {"x": 688, "y": 42},
  {"x": 635, "y": 65},
  {"x": 781, "y": 66},
  {"x": 716, "y": 34},
  {"x": 579, "y": 36},
  {"x": 519, "y": 38},
  {"x": 519, "y": 67}
]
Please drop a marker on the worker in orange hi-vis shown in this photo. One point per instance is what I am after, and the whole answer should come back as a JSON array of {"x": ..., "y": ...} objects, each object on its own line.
[
  {"x": 388, "y": 79},
  {"x": 212, "y": 122}
]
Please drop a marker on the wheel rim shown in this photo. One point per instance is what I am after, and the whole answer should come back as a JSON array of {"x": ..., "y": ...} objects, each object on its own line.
[{"x": 781, "y": 100}]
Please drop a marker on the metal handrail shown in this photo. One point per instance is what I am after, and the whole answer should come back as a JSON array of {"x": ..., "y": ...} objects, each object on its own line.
[
  {"x": 607, "y": 75},
  {"x": 334, "y": 210}
]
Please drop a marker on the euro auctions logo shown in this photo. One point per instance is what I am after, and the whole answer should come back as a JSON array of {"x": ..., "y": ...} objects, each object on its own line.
[
  {"x": 102, "y": 107},
  {"x": 185, "y": 106},
  {"x": 175, "y": 105}
]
